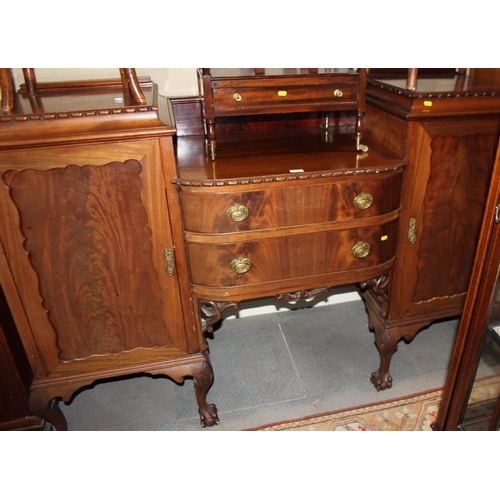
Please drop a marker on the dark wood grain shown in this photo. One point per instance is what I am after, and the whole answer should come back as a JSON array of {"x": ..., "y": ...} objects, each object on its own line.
[
  {"x": 313, "y": 203},
  {"x": 88, "y": 238},
  {"x": 446, "y": 250},
  {"x": 302, "y": 255},
  {"x": 481, "y": 294}
]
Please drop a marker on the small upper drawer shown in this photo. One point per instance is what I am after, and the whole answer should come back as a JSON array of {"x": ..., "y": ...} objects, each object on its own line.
[
  {"x": 284, "y": 96},
  {"x": 211, "y": 212}
]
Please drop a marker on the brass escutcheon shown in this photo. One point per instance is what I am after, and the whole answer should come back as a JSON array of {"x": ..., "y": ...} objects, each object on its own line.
[
  {"x": 412, "y": 235},
  {"x": 237, "y": 97},
  {"x": 237, "y": 213},
  {"x": 361, "y": 249},
  {"x": 338, "y": 93},
  {"x": 169, "y": 255},
  {"x": 363, "y": 201},
  {"x": 241, "y": 265}
]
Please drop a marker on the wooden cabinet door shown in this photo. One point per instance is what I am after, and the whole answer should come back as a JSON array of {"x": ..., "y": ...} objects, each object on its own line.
[
  {"x": 450, "y": 164},
  {"x": 87, "y": 235}
]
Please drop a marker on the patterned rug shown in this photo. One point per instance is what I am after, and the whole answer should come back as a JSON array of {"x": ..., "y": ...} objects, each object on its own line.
[{"x": 411, "y": 413}]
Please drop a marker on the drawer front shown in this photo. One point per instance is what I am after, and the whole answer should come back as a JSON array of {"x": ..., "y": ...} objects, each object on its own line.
[
  {"x": 282, "y": 96},
  {"x": 303, "y": 255},
  {"x": 212, "y": 213}
]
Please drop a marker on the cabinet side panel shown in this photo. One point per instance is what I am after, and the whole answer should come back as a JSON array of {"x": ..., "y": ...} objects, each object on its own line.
[
  {"x": 87, "y": 235},
  {"x": 456, "y": 192}
]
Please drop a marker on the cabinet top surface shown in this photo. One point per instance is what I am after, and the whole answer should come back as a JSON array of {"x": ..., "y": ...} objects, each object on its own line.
[
  {"x": 290, "y": 154},
  {"x": 63, "y": 116},
  {"x": 437, "y": 85},
  {"x": 220, "y": 73},
  {"x": 52, "y": 103}
]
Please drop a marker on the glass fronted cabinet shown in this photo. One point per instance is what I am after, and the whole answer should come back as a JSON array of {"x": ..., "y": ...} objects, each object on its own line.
[{"x": 471, "y": 397}]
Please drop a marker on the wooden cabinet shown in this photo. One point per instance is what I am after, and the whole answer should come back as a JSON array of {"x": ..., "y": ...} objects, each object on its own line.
[
  {"x": 471, "y": 397},
  {"x": 15, "y": 377},
  {"x": 93, "y": 264},
  {"x": 447, "y": 129}
]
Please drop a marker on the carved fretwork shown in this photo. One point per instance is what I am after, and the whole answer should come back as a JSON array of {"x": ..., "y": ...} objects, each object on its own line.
[
  {"x": 210, "y": 313},
  {"x": 301, "y": 294},
  {"x": 380, "y": 288}
]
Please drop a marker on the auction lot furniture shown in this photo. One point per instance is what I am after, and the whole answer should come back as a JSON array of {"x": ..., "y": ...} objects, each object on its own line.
[
  {"x": 123, "y": 238},
  {"x": 92, "y": 259}
]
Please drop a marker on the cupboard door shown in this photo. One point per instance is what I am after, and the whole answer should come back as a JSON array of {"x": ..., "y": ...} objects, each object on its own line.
[
  {"x": 448, "y": 175},
  {"x": 87, "y": 235}
]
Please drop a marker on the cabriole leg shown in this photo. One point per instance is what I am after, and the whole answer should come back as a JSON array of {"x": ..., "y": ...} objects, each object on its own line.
[{"x": 203, "y": 377}]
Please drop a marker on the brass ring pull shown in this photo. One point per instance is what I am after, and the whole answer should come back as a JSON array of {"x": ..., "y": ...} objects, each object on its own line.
[
  {"x": 361, "y": 249},
  {"x": 363, "y": 201},
  {"x": 338, "y": 93},
  {"x": 241, "y": 265},
  {"x": 237, "y": 213},
  {"x": 237, "y": 97}
]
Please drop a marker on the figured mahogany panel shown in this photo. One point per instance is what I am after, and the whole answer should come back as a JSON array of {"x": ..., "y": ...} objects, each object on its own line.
[
  {"x": 301, "y": 255},
  {"x": 459, "y": 178},
  {"x": 86, "y": 232}
]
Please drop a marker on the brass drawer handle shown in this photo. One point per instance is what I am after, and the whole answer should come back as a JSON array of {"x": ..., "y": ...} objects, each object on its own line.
[
  {"x": 361, "y": 249},
  {"x": 241, "y": 265},
  {"x": 363, "y": 201},
  {"x": 237, "y": 213},
  {"x": 237, "y": 97},
  {"x": 338, "y": 93}
]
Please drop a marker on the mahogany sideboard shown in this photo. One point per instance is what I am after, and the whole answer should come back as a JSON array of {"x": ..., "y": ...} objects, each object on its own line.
[
  {"x": 123, "y": 241},
  {"x": 92, "y": 256}
]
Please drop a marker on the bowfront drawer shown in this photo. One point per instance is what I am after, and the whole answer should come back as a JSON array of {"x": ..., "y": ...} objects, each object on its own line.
[
  {"x": 212, "y": 212},
  {"x": 301, "y": 255},
  {"x": 275, "y": 96}
]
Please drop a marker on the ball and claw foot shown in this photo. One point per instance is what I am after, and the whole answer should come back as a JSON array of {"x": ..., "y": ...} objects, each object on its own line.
[
  {"x": 381, "y": 381},
  {"x": 209, "y": 417}
]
